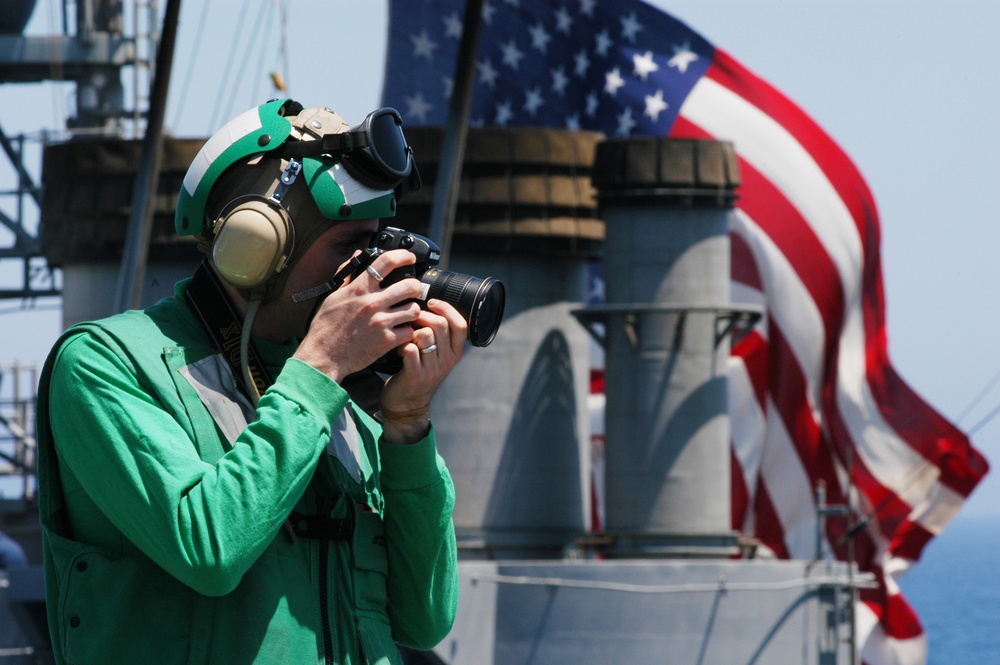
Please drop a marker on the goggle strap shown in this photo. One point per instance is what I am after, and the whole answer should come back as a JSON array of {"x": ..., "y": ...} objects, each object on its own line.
[{"x": 329, "y": 144}]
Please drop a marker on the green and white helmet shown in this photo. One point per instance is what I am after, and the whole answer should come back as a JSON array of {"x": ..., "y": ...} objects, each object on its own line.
[{"x": 352, "y": 172}]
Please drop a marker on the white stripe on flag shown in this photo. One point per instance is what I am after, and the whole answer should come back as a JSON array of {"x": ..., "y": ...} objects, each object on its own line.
[
  {"x": 788, "y": 485},
  {"x": 749, "y": 425},
  {"x": 789, "y": 304},
  {"x": 775, "y": 153},
  {"x": 877, "y": 648}
]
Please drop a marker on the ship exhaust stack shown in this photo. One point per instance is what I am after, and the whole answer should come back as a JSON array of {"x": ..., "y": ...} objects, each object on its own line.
[
  {"x": 512, "y": 419},
  {"x": 666, "y": 325}
]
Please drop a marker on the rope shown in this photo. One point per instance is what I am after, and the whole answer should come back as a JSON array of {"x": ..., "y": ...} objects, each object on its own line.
[
  {"x": 202, "y": 22},
  {"x": 212, "y": 125}
]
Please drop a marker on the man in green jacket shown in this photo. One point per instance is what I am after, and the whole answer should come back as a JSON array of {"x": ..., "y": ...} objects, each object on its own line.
[{"x": 211, "y": 493}]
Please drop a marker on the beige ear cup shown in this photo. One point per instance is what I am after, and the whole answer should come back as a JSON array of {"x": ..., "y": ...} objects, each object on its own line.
[{"x": 252, "y": 243}]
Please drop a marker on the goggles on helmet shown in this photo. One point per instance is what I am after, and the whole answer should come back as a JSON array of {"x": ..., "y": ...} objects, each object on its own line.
[
  {"x": 375, "y": 147},
  {"x": 375, "y": 152}
]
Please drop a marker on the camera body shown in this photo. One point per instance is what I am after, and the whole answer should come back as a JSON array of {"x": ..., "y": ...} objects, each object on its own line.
[
  {"x": 480, "y": 301},
  {"x": 426, "y": 250}
]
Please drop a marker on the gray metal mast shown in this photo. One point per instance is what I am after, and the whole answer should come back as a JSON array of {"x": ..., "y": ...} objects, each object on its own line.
[
  {"x": 449, "y": 176},
  {"x": 130, "y": 279}
]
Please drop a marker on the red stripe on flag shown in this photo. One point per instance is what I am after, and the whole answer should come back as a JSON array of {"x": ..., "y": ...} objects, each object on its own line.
[
  {"x": 895, "y": 614},
  {"x": 901, "y": 621},
  {"x": 739, "y": 498},
  {"x": 752, "y": 350},
  {"x": 743, "y": 268},
  {"x": 767, "y": 526},
  {"x": 961, "y": 465},
  {"x": 910, "y": 540},
  {"x": 793, "y": 236}
]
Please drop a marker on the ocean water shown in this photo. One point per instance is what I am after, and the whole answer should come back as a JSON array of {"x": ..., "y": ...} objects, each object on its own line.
[{"x": 955, "y": 590}]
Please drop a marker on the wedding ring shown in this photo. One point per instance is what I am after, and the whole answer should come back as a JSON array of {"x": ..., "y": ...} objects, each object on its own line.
[
  {"x": 376, "y": 275},
  {"x": 430, "y": 349}
]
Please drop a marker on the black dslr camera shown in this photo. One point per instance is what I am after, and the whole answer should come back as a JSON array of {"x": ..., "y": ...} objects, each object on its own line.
[{"x": 479, "y": 301}]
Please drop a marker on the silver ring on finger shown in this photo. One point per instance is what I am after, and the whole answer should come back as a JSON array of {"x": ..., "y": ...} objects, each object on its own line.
[
  {"x": 430, "y": 349},
  {"x": 376, "y": 275}
]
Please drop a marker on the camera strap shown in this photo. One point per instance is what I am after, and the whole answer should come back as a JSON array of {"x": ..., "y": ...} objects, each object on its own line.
[
  {"x": 208, "y": 299},
  {"x": 353, "y": 268}
]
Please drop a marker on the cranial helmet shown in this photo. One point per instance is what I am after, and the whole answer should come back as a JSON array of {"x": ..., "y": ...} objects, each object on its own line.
[{"x": 277, "y": 159}]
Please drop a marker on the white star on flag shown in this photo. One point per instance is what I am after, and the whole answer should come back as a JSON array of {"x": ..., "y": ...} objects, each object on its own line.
[
  {"x": 512, "y": 55},
  {"x": 540, "y": 38},
  {"x": 582, "y": 64},
  {"x": 453, "y": 26},
  {"x": 559, "y": 80},
  {"x": 534, "y": 101},
  {"x": 613, "y": 81},
  {"x": 487, "y": 74},
  {"x": 423, "y": 46},
  {"x": 625, "y": 122},
  {"x": 683, "y": 56},
  {"x": 504, "y": 113},
  {"x": 644, "y": 65},
  {"x": 603, "y": 43},
  {"x": 630, "y": 27},
  {"x": 655, "y": 104},
  {"x": 564, "y": 22},
  {"x": 417, "y": 106}
]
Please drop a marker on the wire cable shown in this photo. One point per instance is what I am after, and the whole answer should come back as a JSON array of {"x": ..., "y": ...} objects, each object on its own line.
[
  {"x": 979, "y": 397},
  {"x": 189, "y": 75},
  {"x": 212, "y": 125},
  {"x": 56, "y": 66},
  {"x": 283, "y": 50},
  {"x": 252, "y": 43},
  {"x": 989, "y": 416},
  {"x": 260, "y": 63}
]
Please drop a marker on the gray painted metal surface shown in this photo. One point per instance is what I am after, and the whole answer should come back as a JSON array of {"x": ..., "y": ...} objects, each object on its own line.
[
  {"x": 696, "y": 612},
  {"x": 512, "y": 419},
  {"x": 667, "y": 441}
]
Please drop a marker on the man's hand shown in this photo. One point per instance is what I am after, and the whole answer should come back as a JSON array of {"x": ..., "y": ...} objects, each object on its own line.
[
  {"x": 435, "y": 349},
  {"x": 361, "y": 321}
]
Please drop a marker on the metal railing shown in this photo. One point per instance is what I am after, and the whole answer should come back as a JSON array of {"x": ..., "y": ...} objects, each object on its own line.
[
  {"x": 18, "y": 392},
  {"x": 93, "y": 50}
]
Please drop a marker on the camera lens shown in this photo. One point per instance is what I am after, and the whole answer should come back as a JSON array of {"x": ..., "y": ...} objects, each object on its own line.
[{"x": 479, "y": 301}]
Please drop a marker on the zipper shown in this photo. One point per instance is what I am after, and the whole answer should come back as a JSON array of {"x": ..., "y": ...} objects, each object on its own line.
[{"x": 325, "y": 504}]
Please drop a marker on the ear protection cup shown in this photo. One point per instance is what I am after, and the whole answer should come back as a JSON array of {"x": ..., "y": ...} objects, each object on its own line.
[{"x": 253, "y": 240}]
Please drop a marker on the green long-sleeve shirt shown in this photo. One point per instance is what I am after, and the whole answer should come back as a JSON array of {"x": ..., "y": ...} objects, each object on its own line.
[{"x": 163, "y": 508}]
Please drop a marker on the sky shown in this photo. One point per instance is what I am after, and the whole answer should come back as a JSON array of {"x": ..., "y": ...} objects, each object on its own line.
[{"x": 909, "y": 89}]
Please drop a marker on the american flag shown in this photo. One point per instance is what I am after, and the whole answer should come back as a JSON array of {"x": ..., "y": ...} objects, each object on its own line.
[{"x": 813, "y": 397}]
